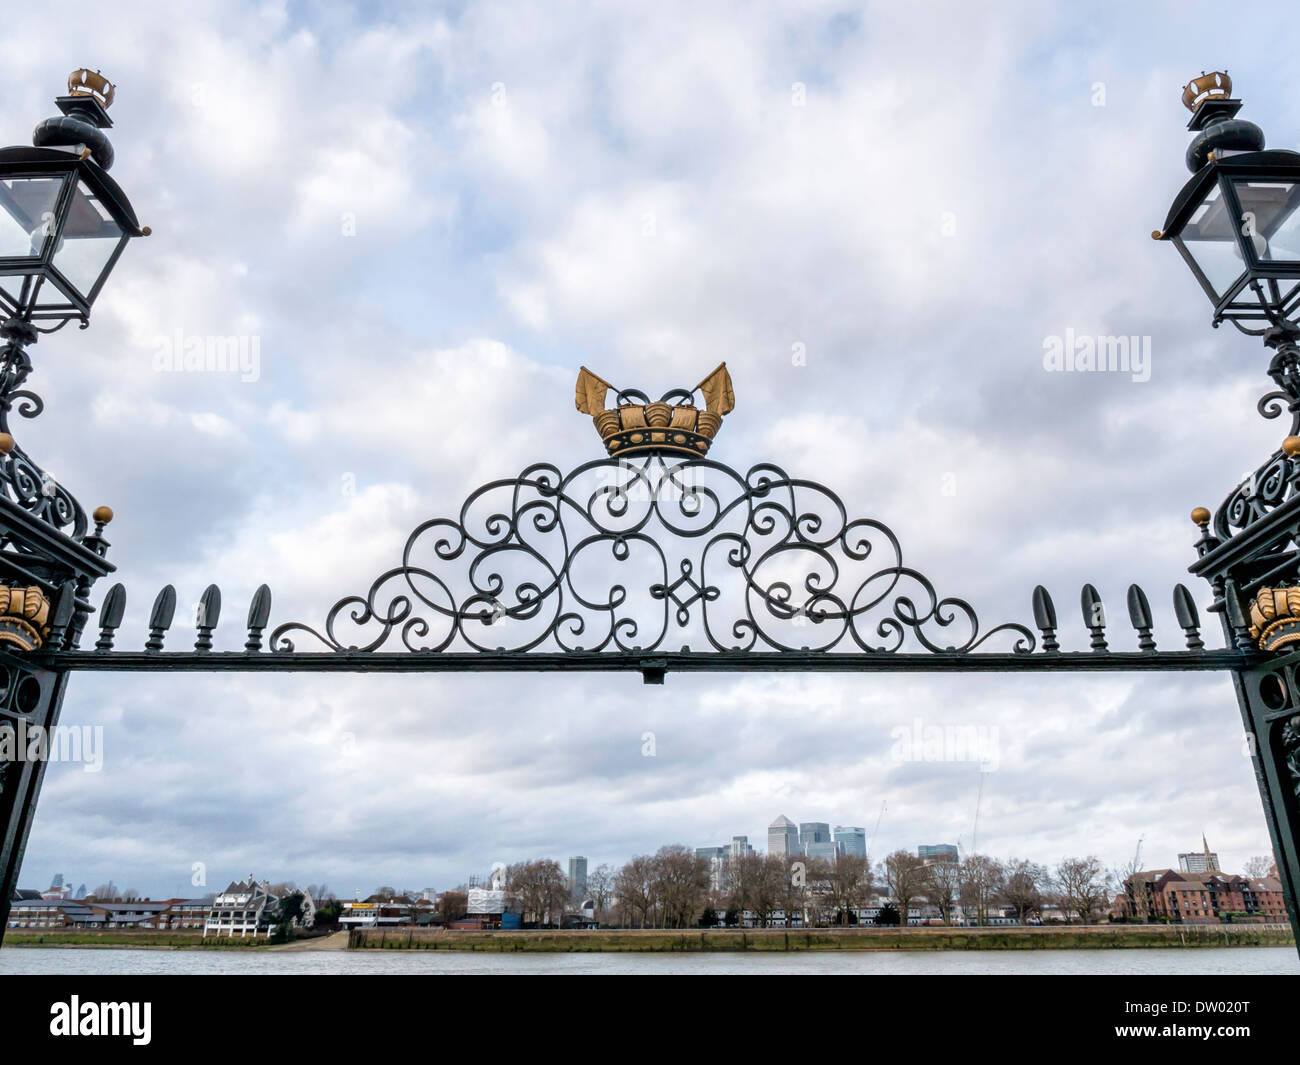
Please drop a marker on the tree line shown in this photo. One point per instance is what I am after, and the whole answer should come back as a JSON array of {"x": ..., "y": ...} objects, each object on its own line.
[{"x": 676, "y": 888}]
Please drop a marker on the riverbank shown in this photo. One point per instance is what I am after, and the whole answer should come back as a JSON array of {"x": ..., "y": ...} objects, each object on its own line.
[
  {"x": 141, "y": 939},
  {"x": 779, "y": 939}
]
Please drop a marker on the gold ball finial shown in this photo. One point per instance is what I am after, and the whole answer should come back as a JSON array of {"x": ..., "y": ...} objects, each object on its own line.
[
  {"x": 1201, "y": 516},
  {"x": 6, "y": 443},
  {"x": 102, "y": 515},
  {"x": 1291, "y": 446}
]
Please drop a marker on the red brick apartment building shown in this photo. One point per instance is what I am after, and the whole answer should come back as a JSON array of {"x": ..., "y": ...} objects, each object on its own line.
[{"x": 1199, "y": 898}]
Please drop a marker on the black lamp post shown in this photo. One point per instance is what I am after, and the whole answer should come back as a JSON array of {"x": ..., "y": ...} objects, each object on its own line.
[
  {"x": 63, "y": 225},
  {"x": 1237, "y": 225}
]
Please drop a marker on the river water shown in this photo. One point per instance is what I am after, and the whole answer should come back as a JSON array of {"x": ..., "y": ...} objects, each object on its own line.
[{"x": 1234, "y": 961}]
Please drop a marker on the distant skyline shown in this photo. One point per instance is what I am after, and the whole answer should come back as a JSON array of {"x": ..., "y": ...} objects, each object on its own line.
[{"x": 567, "y": 864}]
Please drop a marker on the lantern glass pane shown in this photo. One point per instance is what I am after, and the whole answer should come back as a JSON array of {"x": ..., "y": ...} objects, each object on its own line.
[
  {"x": 89, "y": 238},
  {"x": 1210, "y": 238},
  {"x": 1271, "y": 218},
  {"x": 27, "y": 218}
]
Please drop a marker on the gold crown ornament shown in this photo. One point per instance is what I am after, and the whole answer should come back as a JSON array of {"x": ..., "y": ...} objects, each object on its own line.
[
  {"x": 671, "y": 423},
  {"x": 1213, "y": 86},
  {"x": 1275, "y": 618},
  {"x": 24, "y": 617},
  {"x": 91, "y": 83}
]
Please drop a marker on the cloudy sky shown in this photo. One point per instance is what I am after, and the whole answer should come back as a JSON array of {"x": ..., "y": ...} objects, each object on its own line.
[{"x": 877, "y": 214}]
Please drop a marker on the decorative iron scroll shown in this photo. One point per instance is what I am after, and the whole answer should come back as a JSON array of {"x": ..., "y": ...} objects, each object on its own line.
[
  {"x": 632, "y": 555},
  {"x": 22, "y": 481}
]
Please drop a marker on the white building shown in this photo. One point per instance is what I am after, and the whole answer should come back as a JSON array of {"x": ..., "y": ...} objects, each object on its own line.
[{"x": 248, "y": 908}]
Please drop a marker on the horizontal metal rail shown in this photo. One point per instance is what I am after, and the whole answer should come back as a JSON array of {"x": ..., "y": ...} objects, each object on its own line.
[{"x": 651, "y": 665}]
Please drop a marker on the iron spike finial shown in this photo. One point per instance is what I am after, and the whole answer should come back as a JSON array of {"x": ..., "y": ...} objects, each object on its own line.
[
  {"x": 1139, "y": 613},
  {"x": 209, "y": 613},
  {"x": 259, "y": 614},
  {"x": 110, "y": 617},
  {"x": 1045, "y": 619},
  {"x": 160, "y": 618},
  {"x": 1188, "y": 618},
  {"x": 1094, "y": 617}
]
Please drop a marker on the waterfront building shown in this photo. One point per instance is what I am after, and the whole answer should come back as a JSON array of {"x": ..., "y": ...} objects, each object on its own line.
[
  {"x": 156, "y": 915},
  {"x": 248, "y": 908},
  {"x": 379, "y": 911},
  {"x": 1190, "y": 898},
  {"x": 852, "y": 840},
  {"x": 782, "y": 837}
]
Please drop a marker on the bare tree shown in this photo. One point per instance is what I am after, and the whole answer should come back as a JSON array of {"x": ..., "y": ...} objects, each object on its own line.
[
  {"x": 1259, "y": 866},
  {"x": 904, "y": 876},
  {"x": 943, "y": 887},
  {"x": 632, "y": 887},
  {"x": 679, "y": 882},
  {"x": 1022, "y": 886},
  {"x": 452, "y": 905},
  {"x": 1082, "y": 885},
  {"x": 600, "y": 889},
  {"x": 981, "y": 877},
  {"x": 744, "y": 875},
  {"x": 847, "y": 884},
  {"x": 541, "y": 887}
]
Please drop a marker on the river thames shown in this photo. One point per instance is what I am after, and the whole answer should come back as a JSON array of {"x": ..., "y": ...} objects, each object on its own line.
[{"x": 71, "y": 961}]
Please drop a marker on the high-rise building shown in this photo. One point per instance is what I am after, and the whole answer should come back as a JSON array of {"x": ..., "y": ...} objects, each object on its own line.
[
  {"x": 739, "y": 847},
  {"x": 1204, "y": 861},
  {"x": 826, "y": 850},
  {"x": 782, "y": 837},
  {"x": 852, "y": 840},
  {"x": 938, "y": 852},
  {"x": 717, "y": 859},
  {"x": 813, "y": 832},
  {"x": 577, "y": 878}
]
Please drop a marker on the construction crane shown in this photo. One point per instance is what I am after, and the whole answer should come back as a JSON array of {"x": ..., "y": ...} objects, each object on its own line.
[
  {"x": 1137, "y": 855},
  {"x": 872, "y": 840},
  {"x": 975, "y": 832}
]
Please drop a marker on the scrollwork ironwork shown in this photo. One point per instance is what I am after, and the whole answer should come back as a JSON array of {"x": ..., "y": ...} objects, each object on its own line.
[
  {"x": 634, "y": 554},
  {"x": 22, "y": 481}
]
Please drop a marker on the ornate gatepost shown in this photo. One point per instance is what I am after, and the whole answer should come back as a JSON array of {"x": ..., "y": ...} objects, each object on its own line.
[
  {"x": 1237, "y": 225},
  {"x": 63, "y": 224}
]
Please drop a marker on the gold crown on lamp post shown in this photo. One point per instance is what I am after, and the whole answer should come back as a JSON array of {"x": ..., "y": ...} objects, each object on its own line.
[
  {"x": 1275, "y": 618},
  {"x": 91, "y": 83},
  {"x": 24, "y": 617},
  {"x": 1215, "y": 85},
  {"x": 660, "y": 426}
]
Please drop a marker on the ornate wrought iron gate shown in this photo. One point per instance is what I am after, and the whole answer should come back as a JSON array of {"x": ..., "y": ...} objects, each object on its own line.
[{"x": 657, "y": 560}]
